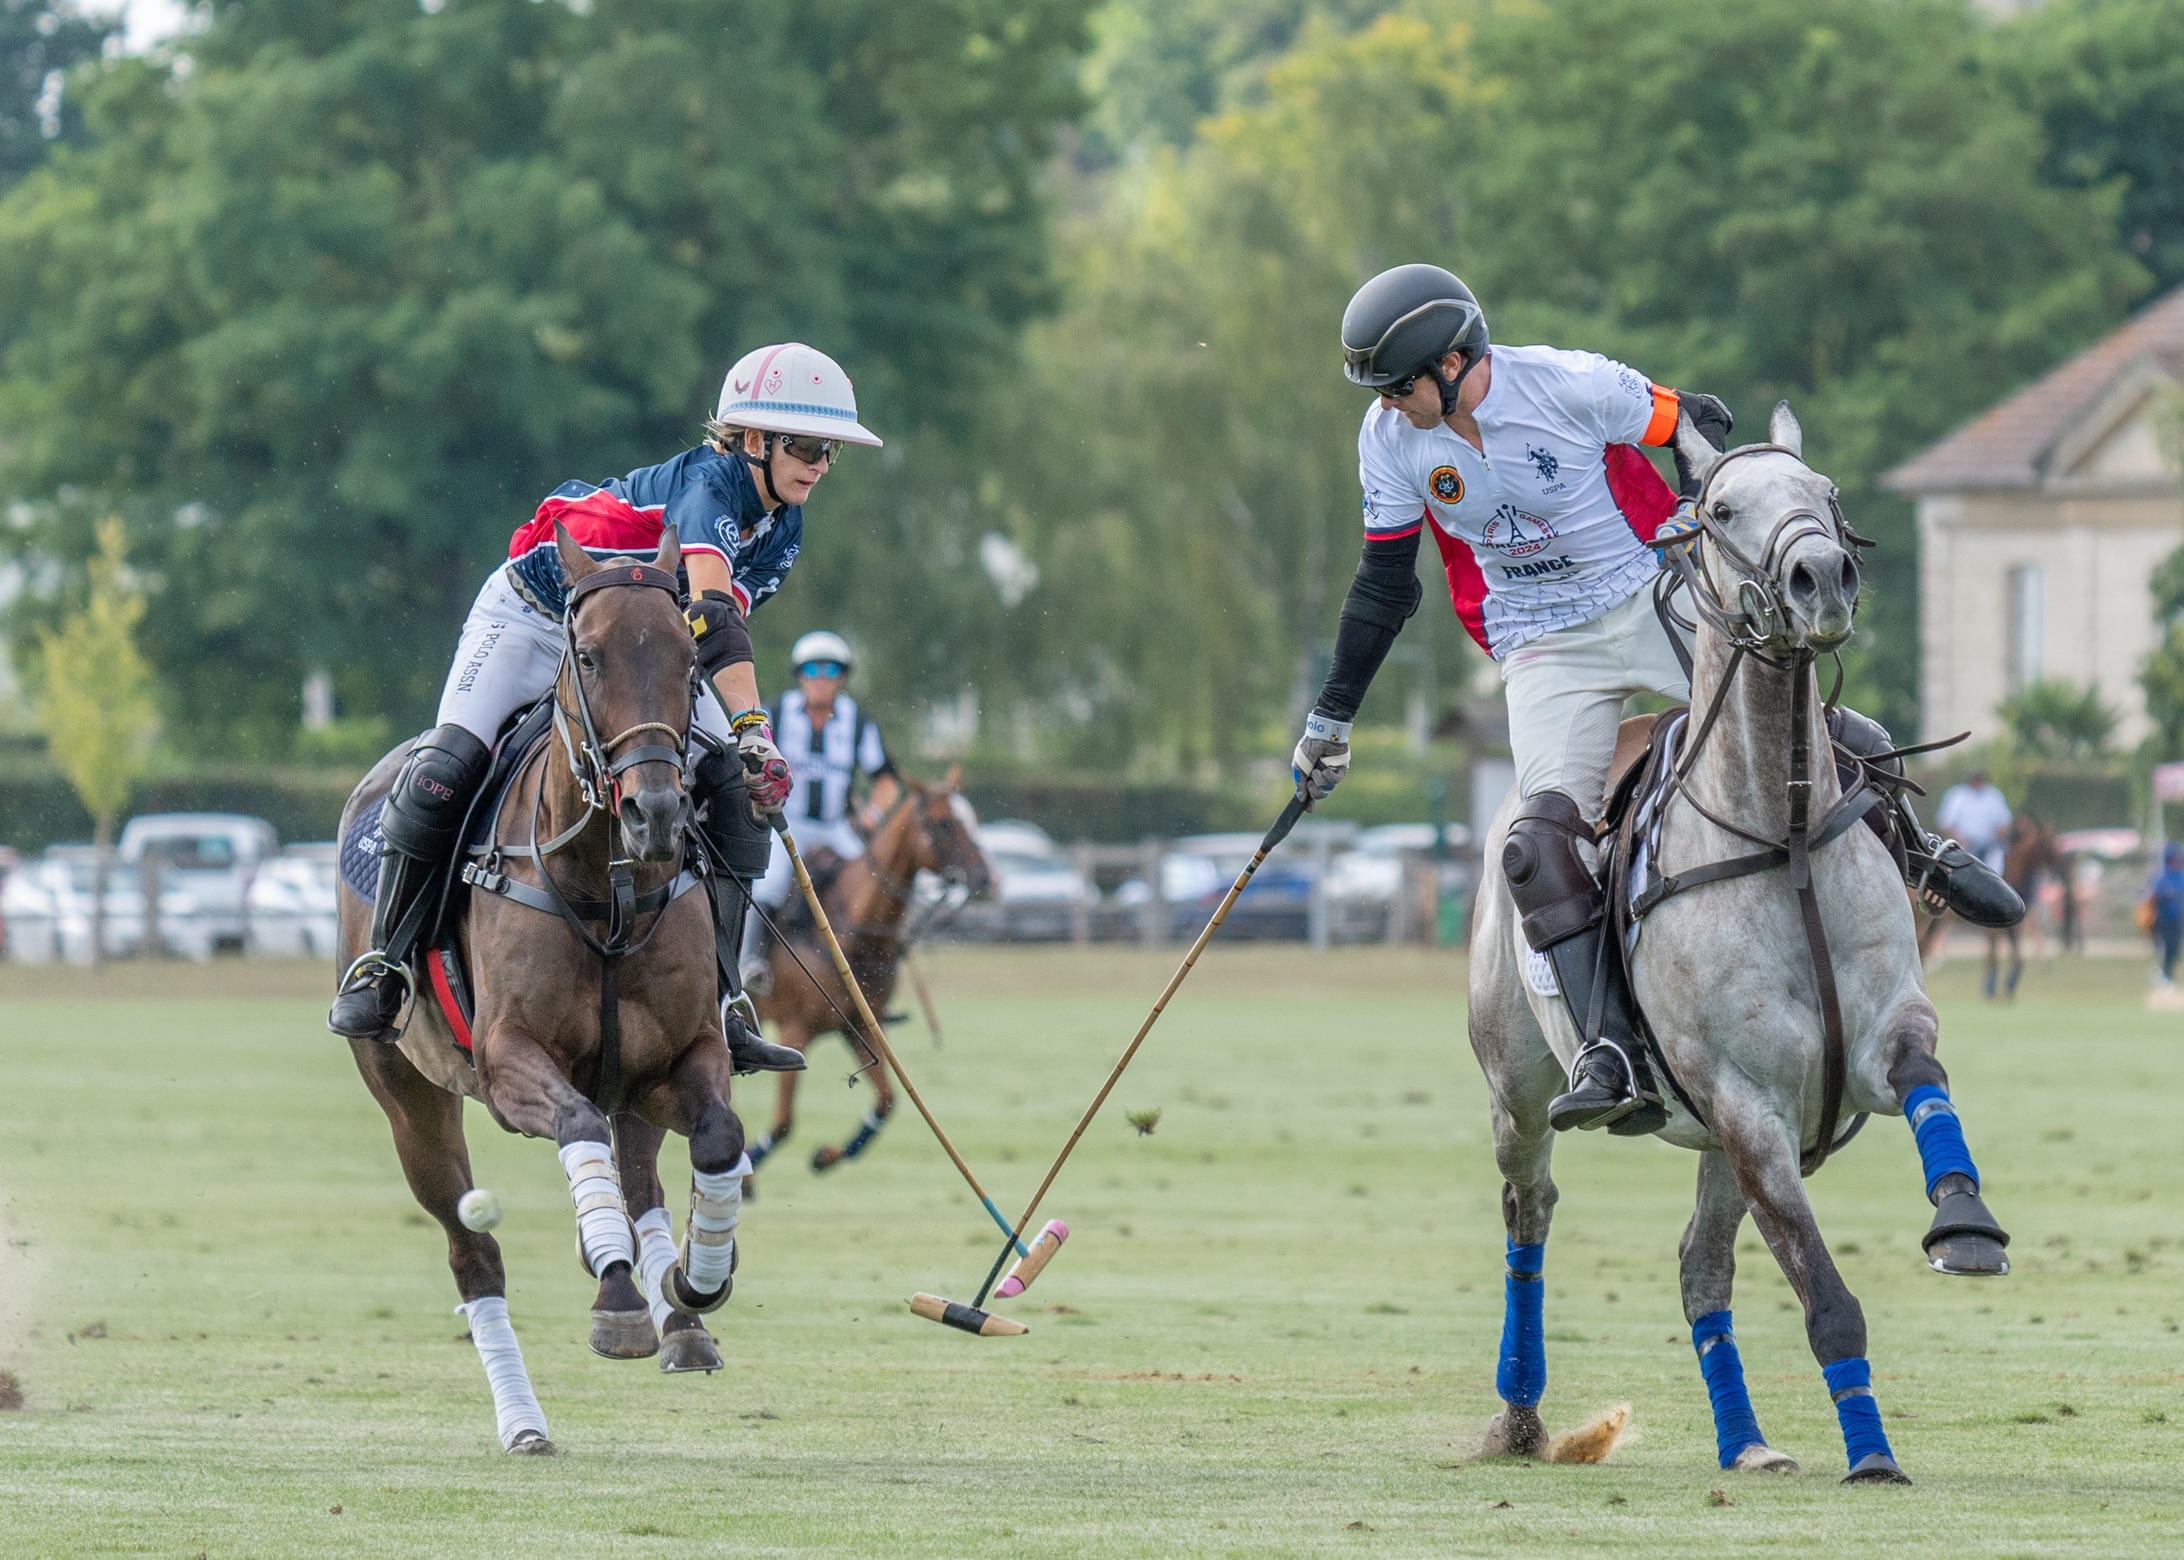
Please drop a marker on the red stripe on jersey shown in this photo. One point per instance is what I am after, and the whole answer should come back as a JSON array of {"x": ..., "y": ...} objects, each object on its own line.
[
  {"x": 1466, "y": 585},
  {"x": 1638, "y": 490},
  {"x": 598, "y": 521},
  {"x": 1661, "y": 426},
  {"x": 1395, "y": 536}
]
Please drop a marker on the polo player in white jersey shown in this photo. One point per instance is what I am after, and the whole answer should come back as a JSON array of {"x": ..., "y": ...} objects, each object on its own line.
[
  {"x": 828, "y": 742},
  {"x": 1522, "y": 463}
]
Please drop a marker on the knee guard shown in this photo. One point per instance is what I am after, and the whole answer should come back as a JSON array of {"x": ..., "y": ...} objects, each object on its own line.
[
  {"x": 425, "y": 810},
  {"x": 1556, "y": 893},
  {"x": 741, "y": 844},
  {"x": 1864, "y": 736}
]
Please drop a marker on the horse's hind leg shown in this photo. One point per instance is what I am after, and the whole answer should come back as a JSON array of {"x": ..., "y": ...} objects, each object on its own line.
[
  {"x": 1709, "y": 1254},
  {"x": 1763, "y": 1155},
  {"x": 826, "y": 1156},
  {"x": 1523, "y": 1149},
  {"x": 784, "y": 1115},
  {"x": 684, "y": 1345},
  {"x": 1964, "y": 1237},
  {"x": 428, "y": 1137}
]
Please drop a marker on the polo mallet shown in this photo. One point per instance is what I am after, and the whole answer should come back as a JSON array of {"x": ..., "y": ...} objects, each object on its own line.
[
  {"x": 873, "y": 1031},
  {"x": 925, "y": 1001},
  {"x": 969, "y": 1317}
]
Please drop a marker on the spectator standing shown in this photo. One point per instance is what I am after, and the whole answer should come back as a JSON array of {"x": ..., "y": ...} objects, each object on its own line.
[{"x": 1976, "y": 816}]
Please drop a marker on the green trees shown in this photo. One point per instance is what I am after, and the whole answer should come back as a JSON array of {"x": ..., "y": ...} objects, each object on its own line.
[{"x": 329, "y": 313}]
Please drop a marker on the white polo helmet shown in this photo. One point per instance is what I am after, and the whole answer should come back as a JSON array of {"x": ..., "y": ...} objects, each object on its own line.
[
  {"x": 820, "y": 645},
  {"x": 792, "y": 388}
]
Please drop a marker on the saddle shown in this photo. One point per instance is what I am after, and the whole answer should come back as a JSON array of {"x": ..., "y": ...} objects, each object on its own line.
[
  {"x": 443, "y": 966},
  {"x": 825, "y": 865}
]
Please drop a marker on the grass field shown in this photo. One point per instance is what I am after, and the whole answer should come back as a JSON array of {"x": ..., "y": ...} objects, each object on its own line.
[{"x": 1272, "y": 1332}]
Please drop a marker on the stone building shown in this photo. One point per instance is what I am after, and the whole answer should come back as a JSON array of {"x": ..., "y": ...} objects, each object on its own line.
[{"x": 2040, "y": 524}]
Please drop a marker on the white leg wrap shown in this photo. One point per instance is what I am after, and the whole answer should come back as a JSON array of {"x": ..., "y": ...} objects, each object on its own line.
[
  {"x": 655, "y": 1255},
  {"x": 515, "y": 1405},
  {"x": 709, "y": 1240},
  {"x": 602, "y": 1227}
]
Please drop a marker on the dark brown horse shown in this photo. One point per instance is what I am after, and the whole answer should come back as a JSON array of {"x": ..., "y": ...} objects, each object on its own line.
[
  {"x": 581, "y": 823},
  {"x": 2028, "y": 850},
  {"x": 928, "y": 829}
]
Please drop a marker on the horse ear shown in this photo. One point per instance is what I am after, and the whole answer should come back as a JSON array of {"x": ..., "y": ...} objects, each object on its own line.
[
  {"x": 1693, "y": 446},
  {"x": 1782, "y": 429},
  {"x": 575, "y": 562},
  {"x": 669, "y": 557}
]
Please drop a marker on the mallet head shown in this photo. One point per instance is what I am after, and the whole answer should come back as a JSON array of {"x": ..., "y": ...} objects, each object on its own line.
[
  {"x": 1033, "y": 1262},
  {"x": 965, "y": 1318}
]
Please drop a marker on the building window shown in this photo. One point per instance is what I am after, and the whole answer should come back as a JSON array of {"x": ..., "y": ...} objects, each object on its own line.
[{"x": 2025, "y": 611}]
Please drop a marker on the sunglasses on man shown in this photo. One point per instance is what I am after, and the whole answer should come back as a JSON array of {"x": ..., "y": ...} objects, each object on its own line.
[{"x": 821, "y": 669}]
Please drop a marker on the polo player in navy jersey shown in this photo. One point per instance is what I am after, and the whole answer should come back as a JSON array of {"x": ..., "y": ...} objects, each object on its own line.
[
  {"x": 1522, "y": 464},
  {"x": 735, "y": 503}
]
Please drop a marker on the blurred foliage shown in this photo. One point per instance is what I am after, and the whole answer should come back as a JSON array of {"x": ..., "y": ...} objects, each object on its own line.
[
  {"x": 2106, "y": 78},
  {"x": 40, "y": 42},
  {"x": 335, "y": 290},
  {"x": 95, "y": 699},
  {"x": 2051, "y": 719},
  {"x": 2162, "y": 678},
  {"x": 339, "y": 289}
]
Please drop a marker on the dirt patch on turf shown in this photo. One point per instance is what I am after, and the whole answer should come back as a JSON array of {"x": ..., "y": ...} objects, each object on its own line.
[{"x": 20, "y": 1272}]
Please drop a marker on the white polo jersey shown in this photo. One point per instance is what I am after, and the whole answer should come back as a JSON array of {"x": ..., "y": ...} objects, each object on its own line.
[{"x": 1547, "y": 528}]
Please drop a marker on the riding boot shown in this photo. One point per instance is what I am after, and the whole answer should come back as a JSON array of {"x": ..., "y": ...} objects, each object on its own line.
[
  {"x": 420, "y": 826},
  {"x": 1943, "y": 873},
  {"x": 1565, "y": 917},
  {"x": 738, "y": 847},
  {"x": 756, "y": 962}
]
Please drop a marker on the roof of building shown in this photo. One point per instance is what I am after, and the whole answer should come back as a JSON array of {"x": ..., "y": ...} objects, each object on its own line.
[{"x": 2008, "y": 444}]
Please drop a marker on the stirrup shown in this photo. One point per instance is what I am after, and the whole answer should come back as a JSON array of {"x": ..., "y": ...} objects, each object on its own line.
[
  {"x": 363, "y": 974},
  {"x": 1597, "y": 1112}
]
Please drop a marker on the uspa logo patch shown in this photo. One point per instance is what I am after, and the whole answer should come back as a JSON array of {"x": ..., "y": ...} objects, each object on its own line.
[{"x": 1446, "y": 484}]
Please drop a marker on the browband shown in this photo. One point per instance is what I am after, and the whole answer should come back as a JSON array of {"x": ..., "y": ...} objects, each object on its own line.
[{"x": 625, "y": 574}]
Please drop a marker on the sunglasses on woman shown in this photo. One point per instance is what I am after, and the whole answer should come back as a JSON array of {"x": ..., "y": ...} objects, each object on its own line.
[{"x": 811, "y": 451}]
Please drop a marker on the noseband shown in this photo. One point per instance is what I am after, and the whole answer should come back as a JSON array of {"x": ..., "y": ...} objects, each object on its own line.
[{"x": 1761, "y": 617}]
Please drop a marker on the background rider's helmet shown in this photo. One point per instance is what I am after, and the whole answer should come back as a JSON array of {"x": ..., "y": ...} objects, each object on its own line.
[
  {"x": 1404, "y": 321},
  {"x": 792, "y": 388},
  {"x": 821, "y": 645}
]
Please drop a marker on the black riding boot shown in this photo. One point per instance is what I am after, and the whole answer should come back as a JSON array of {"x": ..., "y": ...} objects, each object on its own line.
[
  {"x": 738, "y": 845},
  {"x": 1565, "y": 918},
  {"x": 1945, "y": 875},
  {"x": 420, "y": 825}
]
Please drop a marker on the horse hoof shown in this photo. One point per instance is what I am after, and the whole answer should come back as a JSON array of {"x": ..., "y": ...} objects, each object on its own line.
[
  {"x": 1968, "y": 1256},
  {"x": 531, "y": 1443},
  {"x": 1876, "y": 1468},
  {"x": 1763, "y": 1459},
  {"x": 685, "y": 1345},
  {"x": 623, "y": 1335},
  {"x": 827, "y": 1158},
  {"x": 1515, "y": 1432}
]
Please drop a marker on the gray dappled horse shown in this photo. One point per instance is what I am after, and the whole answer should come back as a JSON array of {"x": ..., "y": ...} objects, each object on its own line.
[{"x": 1737, "y": 976}]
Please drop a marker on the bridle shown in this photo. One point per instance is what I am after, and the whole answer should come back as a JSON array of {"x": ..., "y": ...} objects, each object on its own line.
[{"x": 598, "y": 774}]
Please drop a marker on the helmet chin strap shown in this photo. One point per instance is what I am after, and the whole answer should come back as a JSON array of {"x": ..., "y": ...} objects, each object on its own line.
[
  {"x": 1450, "y": 388},
  {"x": 764, "y": 466}
]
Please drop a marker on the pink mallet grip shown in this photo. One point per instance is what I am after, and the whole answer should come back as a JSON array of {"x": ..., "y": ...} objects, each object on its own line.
[{"x": 1029, "y": 1265}]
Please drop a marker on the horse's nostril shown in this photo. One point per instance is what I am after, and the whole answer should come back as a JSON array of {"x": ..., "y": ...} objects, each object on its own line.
[
  {"x": 1850, "y": 575},
  {"x": 1804, "y": 584}
]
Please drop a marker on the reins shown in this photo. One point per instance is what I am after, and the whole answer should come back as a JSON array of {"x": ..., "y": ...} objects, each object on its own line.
[
  {"x": 598, "y": 782},
  {"x": 1759, "y": 622}
]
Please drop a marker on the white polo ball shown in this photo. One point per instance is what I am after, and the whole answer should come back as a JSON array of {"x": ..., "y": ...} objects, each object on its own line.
[{"x": 479, "y": 1210}]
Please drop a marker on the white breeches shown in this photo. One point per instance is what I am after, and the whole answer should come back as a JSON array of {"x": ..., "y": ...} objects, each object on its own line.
[
  {"x": 1566, "y": 691},
  {"x": 774, "y": 888},
  {"x": 509, "y": 655}
]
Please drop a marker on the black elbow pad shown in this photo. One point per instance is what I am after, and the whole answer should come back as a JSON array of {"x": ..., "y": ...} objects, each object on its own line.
[{"x": 1386, "y": 590}]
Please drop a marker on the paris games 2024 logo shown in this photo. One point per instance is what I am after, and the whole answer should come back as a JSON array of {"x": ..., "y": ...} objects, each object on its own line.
[{"x": 1516, "y": 533}]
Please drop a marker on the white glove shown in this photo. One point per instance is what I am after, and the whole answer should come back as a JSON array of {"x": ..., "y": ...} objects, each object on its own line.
[{"x": 1322, "y": 757}]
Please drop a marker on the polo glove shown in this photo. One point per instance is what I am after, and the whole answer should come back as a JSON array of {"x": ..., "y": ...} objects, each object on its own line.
[
  {"x": 766, "y": 774},
  {"x": 1322, "y": 757}
]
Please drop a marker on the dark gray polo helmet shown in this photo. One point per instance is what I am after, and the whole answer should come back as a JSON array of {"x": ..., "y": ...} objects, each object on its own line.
[{"x": 1404, "y": 321}]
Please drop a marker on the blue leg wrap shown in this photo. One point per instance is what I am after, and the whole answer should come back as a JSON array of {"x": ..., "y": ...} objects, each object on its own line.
[
  {"x": 1851, "y": 1381},
  {"x": 759, "y": 1148},
  {"x": 1940, "y": 1137},
  {"x": 1522, "y": 1376},
  {"x": 1735, "y": 1425},
  {"x": 865, "y": 1133}
]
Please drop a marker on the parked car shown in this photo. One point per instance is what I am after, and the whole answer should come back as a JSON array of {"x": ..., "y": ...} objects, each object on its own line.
[
  {"x": 213, "y": 857},
  {"x": 1036, "y": 888},
  {"x": 1365, "y": 881},
  {"x": 48, "y": 909},
  {"x": 295, "y": 909},
  {"x": 1199, "y": 868}
]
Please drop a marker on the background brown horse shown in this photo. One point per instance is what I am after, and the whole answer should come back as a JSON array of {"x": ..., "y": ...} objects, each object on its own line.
[
  {"x": 2029, "y": 850},
  {"x": 928, "y": 829}
]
